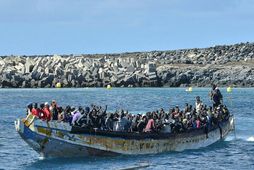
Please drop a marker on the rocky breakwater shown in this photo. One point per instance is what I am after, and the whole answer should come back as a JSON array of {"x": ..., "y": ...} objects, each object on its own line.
[{"x": 224, "y": 65}]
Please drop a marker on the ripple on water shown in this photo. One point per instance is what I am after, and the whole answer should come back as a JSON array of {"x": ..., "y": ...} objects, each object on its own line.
[
  {"x": 250, "y": 139},
  {"x": 230, "y": 154}
]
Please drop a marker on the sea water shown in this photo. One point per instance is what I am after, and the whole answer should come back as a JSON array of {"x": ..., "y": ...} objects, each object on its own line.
[{"x": 236, "y": 152}]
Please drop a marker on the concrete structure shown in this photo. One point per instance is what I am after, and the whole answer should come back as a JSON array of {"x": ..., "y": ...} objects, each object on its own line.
[{"x": 224, "y": 65}]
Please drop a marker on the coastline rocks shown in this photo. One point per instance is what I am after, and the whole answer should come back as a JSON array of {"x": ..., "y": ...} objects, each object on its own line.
[{"x": 224, "y": 65}]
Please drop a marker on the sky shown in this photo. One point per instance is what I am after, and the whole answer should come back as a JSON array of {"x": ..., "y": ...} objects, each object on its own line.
[{"x": 41, "y": 27}]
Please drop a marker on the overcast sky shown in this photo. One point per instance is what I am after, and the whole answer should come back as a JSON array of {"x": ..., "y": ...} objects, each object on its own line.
[{"x": 108, "y": 26}]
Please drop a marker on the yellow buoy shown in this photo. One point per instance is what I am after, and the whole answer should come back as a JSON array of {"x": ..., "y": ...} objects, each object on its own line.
[
  {"x": 189, "y": 89},
  {"x": 108, "y": 86},
  {"x": 58, "y": 85},
  {"x": 229, "y": 89}
]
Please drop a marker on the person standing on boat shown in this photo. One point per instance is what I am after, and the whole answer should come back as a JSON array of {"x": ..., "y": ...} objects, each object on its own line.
[
  {"x": 199, "y": 105},
  {"x": 53, "y": 110},
  {"x": 216, "y": 96}
]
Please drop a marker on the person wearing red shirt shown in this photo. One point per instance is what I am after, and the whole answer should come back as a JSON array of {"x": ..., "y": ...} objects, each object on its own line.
[
  {"x": 35, "y": 110},
  {"x": 47, "y": 112},
  {"x": 42, "y": 113}
]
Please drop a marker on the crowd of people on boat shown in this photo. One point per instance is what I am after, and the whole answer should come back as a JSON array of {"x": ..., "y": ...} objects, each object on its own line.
[{"x": 174, "y": 120}]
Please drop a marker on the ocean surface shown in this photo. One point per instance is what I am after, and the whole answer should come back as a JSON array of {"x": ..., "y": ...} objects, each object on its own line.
[{"x": 236, "y": 152}]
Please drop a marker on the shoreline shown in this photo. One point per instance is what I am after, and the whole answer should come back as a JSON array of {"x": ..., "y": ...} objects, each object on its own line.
[{"x": 104, "y": 88}]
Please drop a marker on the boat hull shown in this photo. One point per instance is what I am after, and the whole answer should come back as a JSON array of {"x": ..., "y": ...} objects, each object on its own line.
[{"x": 55, "y": 139}]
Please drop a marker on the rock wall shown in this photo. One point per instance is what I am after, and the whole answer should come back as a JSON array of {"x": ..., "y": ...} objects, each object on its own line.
[{"x": 224, "y": 65}]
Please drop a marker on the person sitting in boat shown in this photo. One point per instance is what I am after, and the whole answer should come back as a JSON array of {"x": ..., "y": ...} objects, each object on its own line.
[
  {"x": 185, "y": 123},
  {"x": 35, "y": 110},
  {"x": 134, "y": 122},
  {"x": 226, "y": 112},
  {"x": 142, "y": 123},
  {"x": 199, "y": 105},
  {"x": 67, "y": 114},
  {"x": 109, "y": 122},
  {"x": 122, "y": 123},
  {"x": 82, "y": 121},
  {"x": 102, "y": 113},
  {"x": 159, "y": 121},
  {"x": 93, "y": 118},
  {"x": 60, "y": 114},
  {"x": 29, "y": 108},
  {"x": 177, "y": 126},
  {"x": 53, "y": 110},
  {"x": 187, "y": 108},
  {"x": 76, "y": 115},
  {"x": 189, "y": 121},
  {"x": 42, "y": 115},
  {"x": 176, "y": 112},
  {"x": 216, "y": 96},
  {"x": 223, "y": 113},
  {"x": 198, "y": 122},
  {"x": 150, "y": 126},
  {"x": 167, "y": 124},
  {"x": 29, "y": 114},
  {"x": 47, "y": 111}
]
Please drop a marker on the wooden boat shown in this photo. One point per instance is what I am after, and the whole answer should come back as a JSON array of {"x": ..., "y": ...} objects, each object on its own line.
[{"x": 59, "y": 139}]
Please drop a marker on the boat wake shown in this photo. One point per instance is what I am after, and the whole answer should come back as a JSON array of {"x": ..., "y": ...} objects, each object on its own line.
[
  {"x": 250, "y": 139},
  {"x": 41, "y": 158},
  {"x": 230, "y": 138},
  {"x": 242, "y": 138}
]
